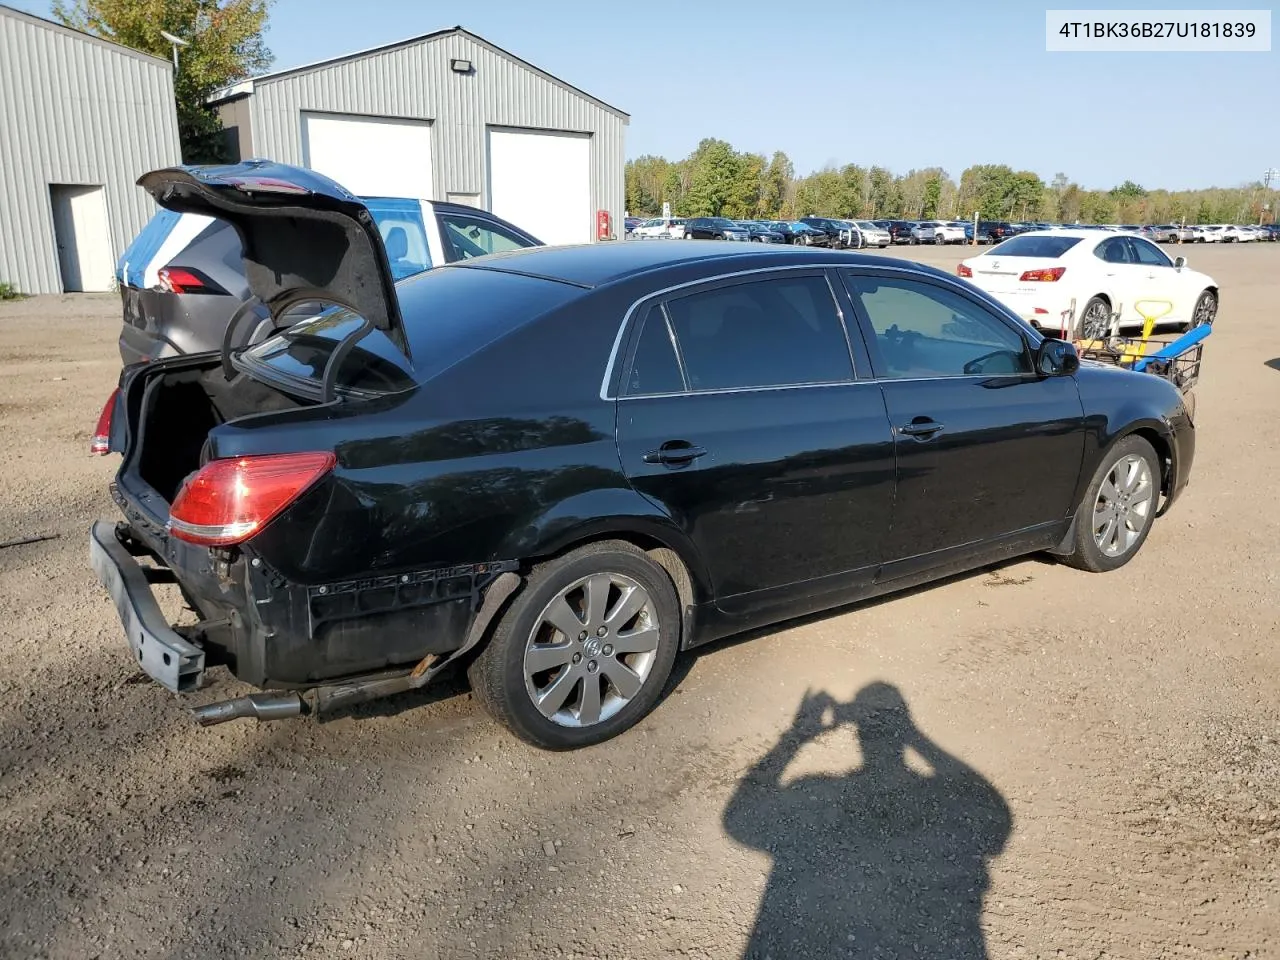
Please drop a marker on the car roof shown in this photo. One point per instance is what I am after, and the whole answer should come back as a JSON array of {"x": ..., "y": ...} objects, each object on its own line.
[{"x": 598, "y": 264}]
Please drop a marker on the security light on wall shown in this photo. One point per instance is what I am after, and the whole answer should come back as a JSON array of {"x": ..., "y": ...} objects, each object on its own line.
[{"x": 460, "y": 66}]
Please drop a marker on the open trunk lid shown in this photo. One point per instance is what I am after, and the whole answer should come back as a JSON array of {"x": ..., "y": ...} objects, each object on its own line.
[{"x": 304, "y": 237}]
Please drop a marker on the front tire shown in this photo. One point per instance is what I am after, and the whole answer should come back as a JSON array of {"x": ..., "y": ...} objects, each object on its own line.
[
  {"x": 1205, "y": 312},
  {"x": 1118, "y": 509},
  {"x": 584, "y": 650}
]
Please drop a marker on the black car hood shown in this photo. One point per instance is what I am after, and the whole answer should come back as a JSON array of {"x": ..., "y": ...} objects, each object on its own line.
[{"x": 304, "y": 237}]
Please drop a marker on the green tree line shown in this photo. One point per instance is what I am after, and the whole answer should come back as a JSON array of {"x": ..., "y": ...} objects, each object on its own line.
[{"x": 716, "y": 180}]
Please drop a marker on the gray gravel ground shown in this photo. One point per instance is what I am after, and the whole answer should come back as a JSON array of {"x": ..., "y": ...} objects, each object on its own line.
[{"x": 1080, "y": 766}]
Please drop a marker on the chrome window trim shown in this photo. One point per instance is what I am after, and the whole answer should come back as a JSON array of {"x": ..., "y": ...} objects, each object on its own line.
[
  {"x": 784, "y": 386},
  {"x": 1017, "y": 324},
  {"x": 675, "y": 347}
]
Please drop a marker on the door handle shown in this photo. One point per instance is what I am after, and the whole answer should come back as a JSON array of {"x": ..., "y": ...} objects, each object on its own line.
[
  {"x": 921, "y": 427},
  {"x": 675, "y": 453}
]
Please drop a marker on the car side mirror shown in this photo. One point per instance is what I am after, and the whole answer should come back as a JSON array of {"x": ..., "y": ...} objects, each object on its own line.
[
  {"x": 1179, "y": 262},
  {"x": 1056, "y": 358}
]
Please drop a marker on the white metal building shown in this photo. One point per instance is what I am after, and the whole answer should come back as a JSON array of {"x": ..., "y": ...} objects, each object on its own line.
[
  {"x": 80, "y": 120},
  {"x": 445, "y": 116}
]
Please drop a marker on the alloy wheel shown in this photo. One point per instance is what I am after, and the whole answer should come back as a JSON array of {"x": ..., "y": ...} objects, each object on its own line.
[
  {"x": 1124, "y": 505},
  {"x": 1206, "y": 310},
  {"x": 1096, "y": 321},
  {"x": 592, "y": 650}
]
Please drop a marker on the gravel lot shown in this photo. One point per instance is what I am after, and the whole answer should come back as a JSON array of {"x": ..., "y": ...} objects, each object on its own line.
[{"x": 1104, "y": 750}]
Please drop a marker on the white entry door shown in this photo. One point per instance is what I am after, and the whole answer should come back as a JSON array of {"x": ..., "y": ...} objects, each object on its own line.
[
  {"x": 541, "y": 182},
  {"x": 370, "y": 156},
  {"x": 82, "y": 238}
]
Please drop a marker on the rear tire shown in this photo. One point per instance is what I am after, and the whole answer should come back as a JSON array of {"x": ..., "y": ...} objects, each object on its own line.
[
  {"x": 560, "y": 691},
  {"x": 1118, "y": 508},
  {"x": 1095, "y": 320}
]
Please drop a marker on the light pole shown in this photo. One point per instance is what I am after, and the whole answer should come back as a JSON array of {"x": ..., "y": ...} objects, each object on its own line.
[
  {"x": 176, "y": 42},
  {"x": 1271, "y": 173}
]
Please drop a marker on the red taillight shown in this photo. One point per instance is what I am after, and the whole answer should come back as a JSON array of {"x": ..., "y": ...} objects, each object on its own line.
[
  {"x": 963, "y": 271},
  {"x": 101, "y": 442},
  {"x": 178, "y": 280},
  {"x": 229, "y": 501},
  {"x": 1048, "y": 275}
]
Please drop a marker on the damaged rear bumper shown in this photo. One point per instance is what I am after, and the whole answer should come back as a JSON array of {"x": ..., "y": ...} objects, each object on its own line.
[
  {"x": 161, "y": 652},
  {"x": 178, "y": 663}
]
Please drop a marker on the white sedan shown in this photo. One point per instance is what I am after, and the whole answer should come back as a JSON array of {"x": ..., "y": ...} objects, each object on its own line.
[{"x": 1039, "y": 275}]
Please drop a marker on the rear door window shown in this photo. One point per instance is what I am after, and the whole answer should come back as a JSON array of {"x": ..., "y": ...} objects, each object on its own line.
[
  {"x": 781, "y": 331},
  {"x": 1113, "y": 250}
]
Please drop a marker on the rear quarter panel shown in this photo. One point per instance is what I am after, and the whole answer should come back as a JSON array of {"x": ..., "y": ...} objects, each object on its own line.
[{"x": 510, "y": 454}]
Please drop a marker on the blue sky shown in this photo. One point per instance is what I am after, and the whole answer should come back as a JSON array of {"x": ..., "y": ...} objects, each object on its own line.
[{"x": 903, "y": 84}]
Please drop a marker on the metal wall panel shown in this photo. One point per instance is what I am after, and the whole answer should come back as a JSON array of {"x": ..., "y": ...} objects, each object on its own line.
[
  {"x": 74, "y": 110},
  {"x": 415, "y": 81}
]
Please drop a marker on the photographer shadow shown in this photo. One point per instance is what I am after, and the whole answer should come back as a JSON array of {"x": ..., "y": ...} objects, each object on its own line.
[{"x": 884, "y": 861}]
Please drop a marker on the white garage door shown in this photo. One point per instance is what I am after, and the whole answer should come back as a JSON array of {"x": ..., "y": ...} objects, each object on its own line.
[
  {"x": 541, "y": 182},
  {"x": 370, "y": 156}
]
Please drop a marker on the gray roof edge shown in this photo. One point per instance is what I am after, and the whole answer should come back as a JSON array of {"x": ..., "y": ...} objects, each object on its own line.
[
  {"x": 82, "y": 35},
  {"x": 240, "y": 89}
]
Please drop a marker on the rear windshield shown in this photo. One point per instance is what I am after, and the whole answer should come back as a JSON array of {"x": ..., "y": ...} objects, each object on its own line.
[
  {"x": 449, "y": 313},
  {"x": 301, "y": 353},
  {"x": 1027, "y": 246}
]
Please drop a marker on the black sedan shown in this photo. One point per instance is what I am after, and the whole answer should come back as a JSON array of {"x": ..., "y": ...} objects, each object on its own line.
[
  {"x": 561, "y": 467},
  {"x": 714, "y": 228}
]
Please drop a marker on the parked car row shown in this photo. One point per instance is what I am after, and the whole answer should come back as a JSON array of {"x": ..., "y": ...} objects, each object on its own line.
[
  {"x": 807, "y": 231},
  {"x": 843, "y": 234},
  {"x": 1212, "y": 233}
]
